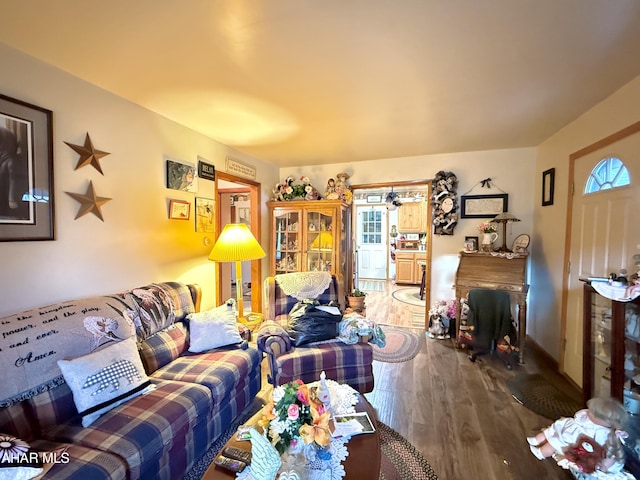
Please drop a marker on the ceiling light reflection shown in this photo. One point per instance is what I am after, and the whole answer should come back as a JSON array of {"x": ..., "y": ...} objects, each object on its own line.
[{"x": 231, "y": 118}]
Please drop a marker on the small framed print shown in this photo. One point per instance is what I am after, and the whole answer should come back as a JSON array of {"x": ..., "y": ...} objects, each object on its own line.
[
  {"x": 470, "y": 244},
  {"x": 179, "y": 210},
  {"x": 548, "y": 184},
  {"x": 374, "y": 198},
  {"x": 205, "y": 214}
]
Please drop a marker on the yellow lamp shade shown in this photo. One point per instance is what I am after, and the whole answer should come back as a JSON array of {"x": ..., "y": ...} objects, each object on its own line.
[{"x": 236, "y": 243}]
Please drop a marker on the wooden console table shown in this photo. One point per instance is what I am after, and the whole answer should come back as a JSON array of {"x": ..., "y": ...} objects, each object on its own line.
[{"x": 484, "y": 270}]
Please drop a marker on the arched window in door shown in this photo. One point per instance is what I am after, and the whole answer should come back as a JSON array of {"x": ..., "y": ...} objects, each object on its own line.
[{"x": 609, "y": 173}]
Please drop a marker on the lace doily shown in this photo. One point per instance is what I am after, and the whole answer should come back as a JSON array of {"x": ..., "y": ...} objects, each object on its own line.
[
  {"x": 613, "y": 292},
  {"x": 302, "y": 459},
  {"x": 303, "y": 285},
  {"x": 343, "y": 397}
]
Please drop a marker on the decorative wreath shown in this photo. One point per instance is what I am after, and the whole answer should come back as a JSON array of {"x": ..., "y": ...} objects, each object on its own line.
[{"x": 444, "y": 203}]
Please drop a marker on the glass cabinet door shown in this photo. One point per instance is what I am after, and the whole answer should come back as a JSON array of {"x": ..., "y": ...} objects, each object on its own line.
[
  {"x": 319, "y": 238},
  {"x": 287, "y": 242},
  {"x": 601, "y": 345},
  {"x": 631, "y": 393}
]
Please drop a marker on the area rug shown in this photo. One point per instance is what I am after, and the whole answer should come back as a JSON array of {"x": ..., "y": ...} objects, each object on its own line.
[
  {"x": 410, "y": 296},
  {"x": 402, "y": 345},
  {"x": 201, "y": 465},
  {"x": 540, "y": 396},
  {"x": 399, "y": 460}
]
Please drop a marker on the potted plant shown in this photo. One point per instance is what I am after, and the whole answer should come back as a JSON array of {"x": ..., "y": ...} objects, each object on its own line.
[{"x": 355, "y": 299}]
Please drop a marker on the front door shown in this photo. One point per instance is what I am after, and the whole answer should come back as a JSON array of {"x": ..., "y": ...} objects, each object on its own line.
[
  {"x": 605, "y": 232},
  {"x": 371, "y": 241}
]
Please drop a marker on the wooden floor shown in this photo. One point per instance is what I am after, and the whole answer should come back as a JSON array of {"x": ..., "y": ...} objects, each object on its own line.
[{"x": 458, "y": 414}]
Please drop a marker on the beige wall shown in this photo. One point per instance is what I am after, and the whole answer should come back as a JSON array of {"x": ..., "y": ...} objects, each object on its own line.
[
  {"x": 136, "y": 244},
  {"x": 512, "y": 171},
  {"x": 614, "y": 113}
]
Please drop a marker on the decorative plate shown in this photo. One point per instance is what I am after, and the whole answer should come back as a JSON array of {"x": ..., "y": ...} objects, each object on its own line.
[{"x": 520, "y": 243}]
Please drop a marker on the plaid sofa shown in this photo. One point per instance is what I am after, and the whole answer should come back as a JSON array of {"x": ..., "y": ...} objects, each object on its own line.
[
  {"x": 350, "y": 364},
  {"x": 158, "y": 435}
]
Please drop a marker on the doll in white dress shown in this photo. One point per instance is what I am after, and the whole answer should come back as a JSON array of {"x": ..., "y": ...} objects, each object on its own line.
[{"x": 601, "y": 416}]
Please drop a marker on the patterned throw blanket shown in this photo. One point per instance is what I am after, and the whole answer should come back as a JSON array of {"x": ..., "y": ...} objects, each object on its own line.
[{"x": 32, "y": 342}]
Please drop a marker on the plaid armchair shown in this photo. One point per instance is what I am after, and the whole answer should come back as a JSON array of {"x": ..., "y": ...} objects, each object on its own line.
[{"x": 350, "y": 364}]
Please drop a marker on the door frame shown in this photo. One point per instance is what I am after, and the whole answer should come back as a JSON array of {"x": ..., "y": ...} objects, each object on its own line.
[
  {"x": 256, "y": 265},
  {"x": 428, "y": 183},
  {"x": 355, "y": 226},
  {"x": 604, "y": 142}
]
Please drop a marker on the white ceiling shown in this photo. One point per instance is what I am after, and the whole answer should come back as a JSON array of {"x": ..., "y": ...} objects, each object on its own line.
[{"x": 300, "y": 82}]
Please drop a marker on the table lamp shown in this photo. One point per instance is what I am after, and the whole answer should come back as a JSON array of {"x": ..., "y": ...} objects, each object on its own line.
[
  {"x": 504, "y": 218},
  {"x": 236, "y": 244}
]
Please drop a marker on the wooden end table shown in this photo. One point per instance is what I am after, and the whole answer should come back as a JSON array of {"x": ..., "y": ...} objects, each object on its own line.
[{"x": 364, "y": 450}]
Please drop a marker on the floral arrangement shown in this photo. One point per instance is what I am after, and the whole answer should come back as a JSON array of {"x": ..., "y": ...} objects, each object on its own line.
[
  {"x": 441, "y": 316},
  {"x": 288, "y": 190},
  {"x": 487, "y": 227},
  {"x": 294, "y": 413}
]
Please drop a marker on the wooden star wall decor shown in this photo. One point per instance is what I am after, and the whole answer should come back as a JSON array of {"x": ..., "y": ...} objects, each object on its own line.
[
  {"x": 89, "y": 202},
  {"x": 88, "y": 154}
]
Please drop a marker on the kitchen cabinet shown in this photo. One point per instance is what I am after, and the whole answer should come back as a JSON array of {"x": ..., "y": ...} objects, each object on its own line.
[
  {"x": 407, "y": 268},
  {"x": 412, "y": 217}
]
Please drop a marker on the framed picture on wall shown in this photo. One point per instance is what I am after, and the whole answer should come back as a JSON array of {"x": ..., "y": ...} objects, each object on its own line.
[
  {"x": 483, "y": 206},
  {"x": 179, "y": 210},
  {"x": 205, "y": 214},
  {"x": 26, "y": 171},
  {"x": 182, "y": 176},
  {"x": 548, "y": 185}
]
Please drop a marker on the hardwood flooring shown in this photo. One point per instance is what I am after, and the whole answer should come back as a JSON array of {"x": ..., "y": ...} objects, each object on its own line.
[{"x": 458, "y": 414}]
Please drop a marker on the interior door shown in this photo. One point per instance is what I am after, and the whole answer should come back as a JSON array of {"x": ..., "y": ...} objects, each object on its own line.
[
  {"x": 605, "y": 235},
  {"x": 371, "y": 241}
]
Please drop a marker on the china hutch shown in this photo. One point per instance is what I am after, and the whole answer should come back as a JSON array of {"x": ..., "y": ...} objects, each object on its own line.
[
  {"x": 611, "y": 352},
  {"x": 311, "y": 235},
  {"x": 611, "y": 361}
]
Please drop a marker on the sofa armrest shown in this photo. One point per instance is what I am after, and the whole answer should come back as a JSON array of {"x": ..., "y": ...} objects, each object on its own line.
[{"x": 273, "y": 340}]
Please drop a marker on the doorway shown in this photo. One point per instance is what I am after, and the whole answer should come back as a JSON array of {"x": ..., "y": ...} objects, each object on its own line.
[
  {"x": 375, "y": 236},
  {"x": 372, "y": 246},
  {"x": 602, "y": 231},
  {"x": 238, "y": 202}
]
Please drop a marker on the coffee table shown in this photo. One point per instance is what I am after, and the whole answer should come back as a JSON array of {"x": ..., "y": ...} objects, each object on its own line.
[{"x": 364, "y": 450}]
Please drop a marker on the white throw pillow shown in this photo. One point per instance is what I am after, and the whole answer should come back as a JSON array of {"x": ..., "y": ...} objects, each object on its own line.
[
  {"x": 104, "y": 379},
  {"x": 212, "y": 329}
]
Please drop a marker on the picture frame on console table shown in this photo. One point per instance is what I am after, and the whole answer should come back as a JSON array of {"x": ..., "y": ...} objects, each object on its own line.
[
  {"x": 26, "y": 171},
  {"x": 471, "y": 244},
  {"x": 484, "y": 206}
]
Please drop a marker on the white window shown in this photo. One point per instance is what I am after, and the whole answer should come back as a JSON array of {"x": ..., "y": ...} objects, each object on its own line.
[
  {"x": 371, "y": 227},
  {"x": 608, "y": 173}
]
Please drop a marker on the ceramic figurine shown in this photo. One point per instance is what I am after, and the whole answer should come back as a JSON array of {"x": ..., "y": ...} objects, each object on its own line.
[
  {"x": 265, "y": 459},
  {"x": 323, "y": 392}
]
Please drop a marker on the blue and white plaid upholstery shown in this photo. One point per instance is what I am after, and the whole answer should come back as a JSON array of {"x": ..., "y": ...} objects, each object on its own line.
[
  {"x": 159, "y": 435},
  {"x": 350, "y": 364}
]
